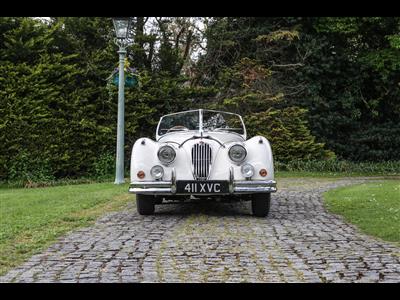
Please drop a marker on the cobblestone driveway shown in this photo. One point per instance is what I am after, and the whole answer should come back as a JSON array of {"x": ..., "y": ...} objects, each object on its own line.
[{"x": 219, "y": 242}]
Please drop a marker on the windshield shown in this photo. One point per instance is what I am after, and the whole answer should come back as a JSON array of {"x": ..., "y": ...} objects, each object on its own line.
[
  {"x": 179, "y": 122},
  {"x": 209, "y": 120},
  {"x": 220, "y": 121}
]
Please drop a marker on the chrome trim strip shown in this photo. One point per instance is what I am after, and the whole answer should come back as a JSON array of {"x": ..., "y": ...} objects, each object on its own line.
[
  {"x": 194, "y": 137},
  {"x": 173, "y": 181},
  {"x": 201, "y": 121},
  {"x": 150, "y": 184},
  {"x": 254, "y": 189},
  {"x": 231, "y": 188},
  {"x": 157, "y": 190},
  {"x": 201, "y": 161},
  {"x": 255, "y": 182}
]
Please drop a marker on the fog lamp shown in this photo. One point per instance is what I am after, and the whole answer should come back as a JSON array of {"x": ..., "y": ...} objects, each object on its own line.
[
  {"x": 247, "y": 170},
  {"x": 157, "y": 172}
]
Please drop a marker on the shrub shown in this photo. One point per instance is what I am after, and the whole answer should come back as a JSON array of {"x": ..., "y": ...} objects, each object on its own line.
[
  {"x": 288, "y": 133},
  {"x": 340, "y": 166},
  {"x": 104, "y": 166},
  {"x": 28, "y": 168}
]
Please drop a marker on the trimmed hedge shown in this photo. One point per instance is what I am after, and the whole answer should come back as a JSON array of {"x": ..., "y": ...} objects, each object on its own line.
[{"x": 340, "y": 166}]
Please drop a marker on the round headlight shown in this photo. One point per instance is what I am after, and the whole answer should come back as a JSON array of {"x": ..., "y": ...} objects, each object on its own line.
[
  {"x": 247, "y": 170},
  {"x": 157, "y": 172},
  {"x": 237, "y": 153},
  {"x": 166, "y": 154}
]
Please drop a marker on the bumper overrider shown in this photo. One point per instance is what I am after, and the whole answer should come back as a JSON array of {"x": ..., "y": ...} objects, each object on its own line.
[{"x": 235, "y": 186}]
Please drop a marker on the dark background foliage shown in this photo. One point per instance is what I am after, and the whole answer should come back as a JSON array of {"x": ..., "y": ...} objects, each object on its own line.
[
  {"x": 317, "y": 88},
  {"x": 343, "y": 71}
]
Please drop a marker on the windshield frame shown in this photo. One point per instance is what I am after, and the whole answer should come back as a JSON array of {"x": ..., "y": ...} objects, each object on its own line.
[{"x": 201, "y": 130}]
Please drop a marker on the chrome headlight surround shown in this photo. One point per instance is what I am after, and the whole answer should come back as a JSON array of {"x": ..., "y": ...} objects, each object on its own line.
[
  {"x": 237, "y": 153},
  {"x": 166, "y": 154},
  {"x": 157, "y": 172}
]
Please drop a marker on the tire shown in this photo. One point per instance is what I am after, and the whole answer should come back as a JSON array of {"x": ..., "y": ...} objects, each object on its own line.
[
  {"x": 260, "y": 204},
  {"x": 145, "y": 204}
]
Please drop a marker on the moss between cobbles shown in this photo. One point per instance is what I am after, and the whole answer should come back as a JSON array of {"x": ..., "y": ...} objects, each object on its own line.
[
  {"x": 159, "y": 269},
  {"x": 201, "y": 226}
]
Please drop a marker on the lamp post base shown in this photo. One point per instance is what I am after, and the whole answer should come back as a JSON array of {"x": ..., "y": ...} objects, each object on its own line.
[{"x": 119, "y": 181}]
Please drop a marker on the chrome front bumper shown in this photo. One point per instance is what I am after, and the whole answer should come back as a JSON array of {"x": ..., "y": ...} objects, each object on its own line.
[{"x": 235, "y": 186}]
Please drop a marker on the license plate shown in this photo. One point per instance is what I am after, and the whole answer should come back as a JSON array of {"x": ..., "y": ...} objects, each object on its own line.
[{"x": 202, "y": 187}]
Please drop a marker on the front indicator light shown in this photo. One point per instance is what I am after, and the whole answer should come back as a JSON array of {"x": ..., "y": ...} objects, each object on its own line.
[
  {"x": 140, "y": 174},
  {"x": 263, "y": 172}
]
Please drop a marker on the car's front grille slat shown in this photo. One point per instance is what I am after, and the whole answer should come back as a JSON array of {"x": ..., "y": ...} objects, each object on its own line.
[{"x": 201, "y": 160}]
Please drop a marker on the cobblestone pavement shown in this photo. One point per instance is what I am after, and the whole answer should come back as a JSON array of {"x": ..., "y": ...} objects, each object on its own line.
[{"x": 219, "y": 242}]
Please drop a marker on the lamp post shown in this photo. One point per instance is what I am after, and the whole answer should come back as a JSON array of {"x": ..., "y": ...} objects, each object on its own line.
[{"x": 121, "y": 26}]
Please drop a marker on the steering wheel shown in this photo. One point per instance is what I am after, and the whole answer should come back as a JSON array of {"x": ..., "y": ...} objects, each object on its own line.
[{"x": 178, "y": 127}]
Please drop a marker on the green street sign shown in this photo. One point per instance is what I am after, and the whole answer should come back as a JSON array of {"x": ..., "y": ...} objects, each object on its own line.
[{"x": 130, "y": 81}]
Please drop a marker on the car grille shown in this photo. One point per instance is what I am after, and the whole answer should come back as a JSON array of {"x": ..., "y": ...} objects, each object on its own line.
[{"x": 201, "y": 160}]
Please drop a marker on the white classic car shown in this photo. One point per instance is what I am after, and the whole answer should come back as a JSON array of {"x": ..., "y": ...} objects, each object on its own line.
[{"x": 202, "y": 154}]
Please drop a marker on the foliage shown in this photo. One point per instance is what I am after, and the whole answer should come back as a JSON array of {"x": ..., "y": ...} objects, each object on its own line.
[
  {"x": 288, "y": 134},
  {"x": 28, "y": 168},
  {"x": 248, "y": 88},
  {"x": 312, "y": 85},
  {"x": 354, "y": 117},
  {"x": 46, "y": 109},
  {"x": 55, "y": 103},
  {"x": 344, "y": 71},
  {"x": 343, "y": 167},
  {"x": 104, "y": 166}
]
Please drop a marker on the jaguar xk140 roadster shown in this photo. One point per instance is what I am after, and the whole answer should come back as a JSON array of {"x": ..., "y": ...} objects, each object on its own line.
[{"x": 202, "y": 154}]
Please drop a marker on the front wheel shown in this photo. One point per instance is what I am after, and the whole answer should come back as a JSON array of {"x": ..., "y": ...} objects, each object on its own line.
[
  {"x": 145, "y": 204},
  {"x": 260, "y": 204}
]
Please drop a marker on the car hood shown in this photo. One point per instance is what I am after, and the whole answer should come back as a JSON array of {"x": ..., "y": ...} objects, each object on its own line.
[{"x": 183, "y": 142}]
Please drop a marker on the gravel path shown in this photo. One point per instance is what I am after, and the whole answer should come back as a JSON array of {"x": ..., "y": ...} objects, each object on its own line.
[{"x": 219, "y": 242}]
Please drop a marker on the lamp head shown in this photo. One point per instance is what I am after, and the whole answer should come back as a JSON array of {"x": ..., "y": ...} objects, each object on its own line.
[{"x": 122, "y": 26}]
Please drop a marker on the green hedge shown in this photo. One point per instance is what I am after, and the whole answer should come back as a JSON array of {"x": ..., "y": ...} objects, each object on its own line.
[
  {"x": 340, "y": 166},
  {"x": 287, "y": 131}
]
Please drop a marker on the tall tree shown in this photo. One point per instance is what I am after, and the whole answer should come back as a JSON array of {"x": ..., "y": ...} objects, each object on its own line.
[{"x": 312, "y": 60}]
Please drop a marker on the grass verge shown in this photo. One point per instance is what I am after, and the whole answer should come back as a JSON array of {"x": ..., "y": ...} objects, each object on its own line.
[
  {"x": 32, "y": 219},
  {"x": 302, "y": 174},
  {"x": 373, "y": 207}
]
